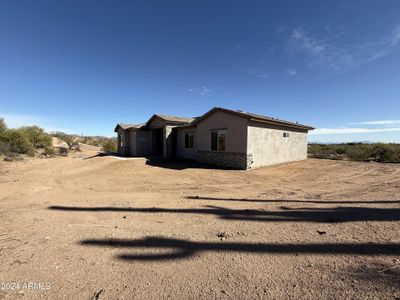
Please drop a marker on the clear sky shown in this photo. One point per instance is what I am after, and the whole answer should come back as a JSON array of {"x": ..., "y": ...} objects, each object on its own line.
[{"x": 83, "y": 66}]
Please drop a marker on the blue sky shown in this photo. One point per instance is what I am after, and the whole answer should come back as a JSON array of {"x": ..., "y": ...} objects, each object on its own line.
[{"x": 83, "y": 66}]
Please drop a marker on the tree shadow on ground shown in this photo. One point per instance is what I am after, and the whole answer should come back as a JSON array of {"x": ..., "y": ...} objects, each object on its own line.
[
  {"x": 295, "y": 201},
  {"x": 376, "y": 274},
  {"x": 179, "y": 249},
  {"x": 331, "y": 215}
]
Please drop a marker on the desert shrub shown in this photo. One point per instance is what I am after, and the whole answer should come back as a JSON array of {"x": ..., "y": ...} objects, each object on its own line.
[
  {"x": 5, "y": 148},
  {"x": 17, "y": 142},
  {"x": 63, "y": 151},
  {"x": 71, "y": 140},
  {"x": 23, "y": 140},
  {"x": 49, "y": 151},
  {"x": 321, "y": 151},
  {"x": 109, "y": 146},
  {"x": 37, "y": 136},
  {"x": 386, "y": 152},
  {"x": 3, "y": 125},
  {"x": 4, "y": 145},
  {"x": 98, "y": 141},
  {"x": 357, "y": 151}
]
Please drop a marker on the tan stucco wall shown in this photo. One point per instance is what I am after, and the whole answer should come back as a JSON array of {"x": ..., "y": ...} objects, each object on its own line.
[
  {"x": 236, "y": 140},
  {"x": 124, "y": 134},
  {"x": 143, "y": 142},
  {"x": 267, "y": 146},
  {"x": 157, "y": 123},
  {"x": 181, "y": 151},
  {"x": 132, "y": 142}
]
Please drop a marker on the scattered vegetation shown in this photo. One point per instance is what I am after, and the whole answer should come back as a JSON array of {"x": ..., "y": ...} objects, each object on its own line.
[
  {"x": 71, "y": 140},
  {"x": 31, "y": 140},
  {"x": 110, "y": 146},
  {"x": 356, "y": 151},
  {"x": 23, "y": 140},
  {"x": 98, "y": 141}
]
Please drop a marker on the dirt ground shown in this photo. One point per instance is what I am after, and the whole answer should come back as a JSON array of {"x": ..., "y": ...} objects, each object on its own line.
[{"x": 108, "y": 228}]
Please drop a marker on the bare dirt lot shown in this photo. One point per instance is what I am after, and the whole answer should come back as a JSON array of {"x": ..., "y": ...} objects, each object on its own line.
[{"x": 108, "y": 228}]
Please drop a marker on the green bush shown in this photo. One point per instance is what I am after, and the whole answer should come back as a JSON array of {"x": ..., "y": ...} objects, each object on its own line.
[
  {"x": 386, "y": 153},
  {"x": 109, "y": 146},
  {"x": 17, "y": 142},
  {"x": 23, "y": 140},
  {"x": 49, "y": 151},
  {"x": 5, "y": 148},
  {"x": 71, "y": 140},
  {"x": 3, "y": 126},
  {"x": 357, "y": 151},
  {"x": 37, "y": 136}
]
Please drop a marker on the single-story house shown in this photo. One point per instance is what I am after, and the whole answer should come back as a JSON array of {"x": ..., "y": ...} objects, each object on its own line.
[{"x": 222, "y": 137}]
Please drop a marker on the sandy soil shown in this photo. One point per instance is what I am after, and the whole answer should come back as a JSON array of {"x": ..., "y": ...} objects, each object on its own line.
[{"x": 126, "y": 229}]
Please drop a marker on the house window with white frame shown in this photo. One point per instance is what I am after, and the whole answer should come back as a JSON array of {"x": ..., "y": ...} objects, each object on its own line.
[
  {"x": 218, "y": 140},
  {"x": 286, "y": 135}
]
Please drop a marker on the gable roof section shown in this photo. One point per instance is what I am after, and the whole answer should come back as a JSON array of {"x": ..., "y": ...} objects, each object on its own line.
[
  {"x": 170, "y": 119},
  {"x": 125, "y": 126},
  {"x": 253, "y": 117}
]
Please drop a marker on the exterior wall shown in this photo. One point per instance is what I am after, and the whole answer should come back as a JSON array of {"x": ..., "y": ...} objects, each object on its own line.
[
  {"x": 123, "y": 135},
  {"x": 168, "y": 141},
  {"x": 168, "y": 135},
  {"x": 235, "y": 154},
  {"x": 181, "y": 151},
  {"x": 236, "y": 135},
  {"x": 224, "y": 159},
  {"x": 143, "y": 142},
  {"x": 157, "y": 123},
  {"x": 132, "y": 142},
  {"x": 267, "y": 146}
]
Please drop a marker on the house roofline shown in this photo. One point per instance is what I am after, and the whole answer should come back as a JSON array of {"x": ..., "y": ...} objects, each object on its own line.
[{"x": 252, "y": 117}]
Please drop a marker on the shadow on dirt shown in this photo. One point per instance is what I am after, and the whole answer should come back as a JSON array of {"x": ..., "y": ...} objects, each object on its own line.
[
  {"x": 101, "y": 154},
  {"x": 321, "y": 215},
  {"x": 295, "y": 201},
  {"x": 376, "y": 273},
  {"x": 167, "y": 163},
  {"x": 180, "y": 164},
  {"x": 179, "y": 249}
]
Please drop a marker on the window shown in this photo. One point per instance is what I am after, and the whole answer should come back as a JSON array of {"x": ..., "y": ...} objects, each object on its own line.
[
  {"x": 122, "y": 140},
  {"x": 189, "y": 139},
  {"x": 286, "y": 134},
  {"x": 214, "y": 139},
  {"x": 218, "y": 140}
]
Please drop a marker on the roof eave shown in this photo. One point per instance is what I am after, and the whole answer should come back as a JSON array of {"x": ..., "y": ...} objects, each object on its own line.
[{"x": 277, "y": 122}]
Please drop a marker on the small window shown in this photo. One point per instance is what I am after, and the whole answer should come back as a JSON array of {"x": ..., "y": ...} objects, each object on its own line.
[
  {"x": 214, "y": 139},
  {"x": 189, "y": 140},
  {"x": 218, "y": 140},
  {"x": 286, "y": 134}
]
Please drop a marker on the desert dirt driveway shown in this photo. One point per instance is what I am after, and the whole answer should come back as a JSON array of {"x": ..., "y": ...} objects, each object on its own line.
[{"x": 126, "y": 229}]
